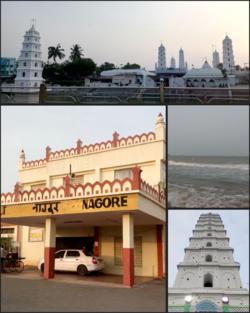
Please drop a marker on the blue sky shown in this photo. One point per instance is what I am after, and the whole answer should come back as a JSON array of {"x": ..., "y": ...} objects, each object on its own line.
[
  {"x": 130, "y": 31},
  {"x": 33, "y": 128},
  {"x": 181, "y": 224}
]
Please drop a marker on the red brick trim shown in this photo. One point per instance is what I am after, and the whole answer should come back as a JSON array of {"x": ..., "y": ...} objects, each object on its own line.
[
  {"x": 159, "y": 250},
  {"x": 96, "y": 241},
  {"x": 128, "y": 267},
  {"x": 136, "y": 178},
  {"x": 49, "y": 262}
]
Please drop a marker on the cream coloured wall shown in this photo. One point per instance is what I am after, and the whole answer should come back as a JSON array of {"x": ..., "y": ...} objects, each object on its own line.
[
  {"x": 31, "y": 251},
  {"x": 57, "y": 182},
  {"x": 149, "y": 250},
  {"x": 75, "y": 232},
  {"x": 107, "y": 175},
  {"x": 123, "y": 156}
]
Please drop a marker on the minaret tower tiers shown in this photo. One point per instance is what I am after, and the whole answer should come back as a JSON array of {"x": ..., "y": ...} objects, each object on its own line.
[
  {"x": 228, "y": 57},
  {"x": 172, "y": 62},
  {"x": 161, "y": 57},
  {"x": 29, "y": 71},
  {"x": 208, "y": 279},
  {"x": 181, "y": 58},
  {"x": 216, "y": 58}
]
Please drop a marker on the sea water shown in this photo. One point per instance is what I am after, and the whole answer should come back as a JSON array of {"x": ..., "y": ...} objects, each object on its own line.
[{"x": 208, "y": 181}]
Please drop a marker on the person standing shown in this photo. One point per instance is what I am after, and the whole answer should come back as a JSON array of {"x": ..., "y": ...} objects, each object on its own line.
[{"x": 3, "y": 253}]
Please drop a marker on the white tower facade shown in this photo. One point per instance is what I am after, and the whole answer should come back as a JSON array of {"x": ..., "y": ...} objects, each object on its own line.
[
  {"x": 172, "y": 62},
  {"x": 208, "y": 272},
  {"x": 228, "y": 57},
  {"x": 216, "y": 58},
  {"x": 181, "y": 58},
  {"x": 161, "y": 57},
  {"x": 29, "y": 71},
  {"x": 186, "y": 66}
]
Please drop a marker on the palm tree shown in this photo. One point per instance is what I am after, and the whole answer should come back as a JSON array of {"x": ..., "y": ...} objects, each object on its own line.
[
  {"x": 76, "y": 53},
  {"x": 56, "y": 52}
]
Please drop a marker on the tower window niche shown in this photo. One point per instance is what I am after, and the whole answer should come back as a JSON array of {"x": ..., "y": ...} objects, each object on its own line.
[
  {"x": 208, "y": 280},
  {"x": 208, "y": 258},
  {"x": 209, "y": 234},
  {"x": 209, "y": 244}
]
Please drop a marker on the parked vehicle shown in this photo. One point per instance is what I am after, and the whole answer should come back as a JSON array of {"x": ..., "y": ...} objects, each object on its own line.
[{"x": 78, "y": 261}]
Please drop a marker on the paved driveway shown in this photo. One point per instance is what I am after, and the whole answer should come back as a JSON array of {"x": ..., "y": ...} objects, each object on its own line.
[{"x": 29, "y": 294}]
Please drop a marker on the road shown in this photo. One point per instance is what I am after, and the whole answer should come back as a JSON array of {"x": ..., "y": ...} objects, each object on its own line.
[{"x": 39, "y": 295}]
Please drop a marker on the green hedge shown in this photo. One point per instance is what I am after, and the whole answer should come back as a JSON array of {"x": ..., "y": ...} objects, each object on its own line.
[{"x": 65, "y": 82}]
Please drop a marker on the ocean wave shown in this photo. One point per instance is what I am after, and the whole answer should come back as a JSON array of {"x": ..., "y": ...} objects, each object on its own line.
[
  {"x": 190, "y": 196},
  {"x": 244, "y": 167}
]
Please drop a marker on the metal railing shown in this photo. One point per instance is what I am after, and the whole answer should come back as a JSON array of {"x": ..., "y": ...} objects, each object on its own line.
[{"x": 125, "y": 94}]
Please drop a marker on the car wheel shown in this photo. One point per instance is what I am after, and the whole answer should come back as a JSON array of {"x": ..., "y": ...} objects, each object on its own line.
[
  {"x": 42, "y": 268},
  {"x": 82, "y": 270}
]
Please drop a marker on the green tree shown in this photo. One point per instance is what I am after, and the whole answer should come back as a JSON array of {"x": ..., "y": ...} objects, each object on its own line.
[
  {"x": 55, "y": 52},
  {"x": 106, "y": 66},
  {"x": 237, "y": 67},
  {"x": 224, "y": 71},
  {"x": 131, "y": 66},
  {"x": 85, "y": 67},
  {"x": 70, "y": 69},
  {"x": 220, "y": 66},
  {"x": 53, "y": 71},
  {"x": 76, "y": 53}
]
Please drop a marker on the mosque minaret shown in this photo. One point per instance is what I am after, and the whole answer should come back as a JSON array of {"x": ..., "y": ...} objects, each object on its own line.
[
  {"x": 216, "y": 58},
  {"x": 228, "y": 56},
  {"x": 29, "y": 71},
  {"x": 172, "y": 63},
  {"x": 208, "y": 279},
  {"x": 181, "y": 58}
]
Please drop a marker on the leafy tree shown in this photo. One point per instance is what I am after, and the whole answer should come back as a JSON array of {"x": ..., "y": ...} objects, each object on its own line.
[
  {"x": 220, "y": 66},
  {"x": 76, "y": 53},
  {"x": 131, "y": 66},
  {"x": 106, "y": 66},
  {"x": 53, "y": 70},
  {"x": 85, "y": 67},
  {"x": 55, "y": 52},
  {"x": 237, "y": 67},
  {"x": 224, "y": 71}
]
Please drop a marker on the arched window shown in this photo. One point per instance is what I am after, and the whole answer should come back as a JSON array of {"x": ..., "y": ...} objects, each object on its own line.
[
  {"x": 35, "y": 55},
  {"x": 35, "y": 85},
  {"x": 208, "y": 280},
  {"x": 208, "y": 258},
  {"x": 35, "y": 64},
  {"x": 23, "y": 74},
  {"x": 26, "y": 54},
  {"x": 209, "y": 228},
  {"x": 36, "y": 47},
  {"x": 22, "y": 84},
  {"x": 209, "y": 234},
  {"x": 209, "y": 244},
  {"x": 24, "y": 63},
  {"x": 28, "y": 39},
  {"x": 35, "y": 75},
  {"x": 27, "y": 46}
]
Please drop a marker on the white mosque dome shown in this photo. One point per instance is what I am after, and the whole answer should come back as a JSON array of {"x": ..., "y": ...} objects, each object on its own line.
[
  {"x": 203, "y": 72},
  {"x": 206, "y": 65}
]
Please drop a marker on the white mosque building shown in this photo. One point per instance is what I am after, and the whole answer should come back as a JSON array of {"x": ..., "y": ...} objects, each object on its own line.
[{"x": 161, "y": 66}]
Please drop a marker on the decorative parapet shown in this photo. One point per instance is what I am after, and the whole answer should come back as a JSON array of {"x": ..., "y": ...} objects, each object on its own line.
[
  {"x": 88, "y": 189},
  {"x": 97, "y": 147}
]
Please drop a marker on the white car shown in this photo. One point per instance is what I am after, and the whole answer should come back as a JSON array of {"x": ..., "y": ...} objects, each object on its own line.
[{"x": 78, "y": 261}]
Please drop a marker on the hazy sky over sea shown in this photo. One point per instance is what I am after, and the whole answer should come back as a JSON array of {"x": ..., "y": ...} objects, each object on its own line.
[
  {"x": 210, "y": 130},
  {"x": 33, "y": 128},
  {"x": 181, "y": 223},
  {"x": 129, "y": 31}
]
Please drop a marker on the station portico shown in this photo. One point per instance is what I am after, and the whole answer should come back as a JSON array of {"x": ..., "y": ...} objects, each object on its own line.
[{"x": 113, "y": 204}]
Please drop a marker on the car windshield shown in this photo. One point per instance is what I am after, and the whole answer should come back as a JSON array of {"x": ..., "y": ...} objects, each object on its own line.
[{"x": 88, "y": 253}]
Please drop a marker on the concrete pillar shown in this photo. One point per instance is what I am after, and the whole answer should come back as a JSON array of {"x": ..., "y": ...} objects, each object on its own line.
[
  {"x": 96, "y": 241},
  {"x": 50, "y": 248},
  {"x": 128, "y": 249},
  {"x": 159, "y": 250}
]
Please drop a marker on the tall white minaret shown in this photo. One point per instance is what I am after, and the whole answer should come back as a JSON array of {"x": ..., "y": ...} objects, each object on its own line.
[
  {"x": 172, "y": 62},
  {"x": 29, "y": 71},
  {"x": 181, "y": 58},
  {"x": 216, "y": 58},
  {"x": 161, "y": 57},
  {"x": 228, "y": 57},
  {"x": 208, "y": 274}
]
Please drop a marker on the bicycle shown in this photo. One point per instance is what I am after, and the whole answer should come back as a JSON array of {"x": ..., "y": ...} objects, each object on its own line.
[{"x": 13, "y": 265}]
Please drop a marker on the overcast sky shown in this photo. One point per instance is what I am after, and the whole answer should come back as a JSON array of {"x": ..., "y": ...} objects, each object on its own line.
[
  {"x": 33, "y": 128},
  {"x": 129, "y": 31},
  {"x": 208, "y": 130},
  {"x": 181, "y": 224}
]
